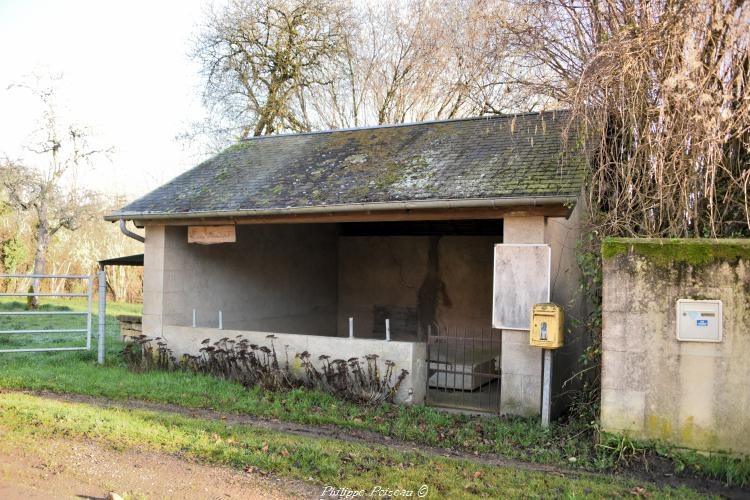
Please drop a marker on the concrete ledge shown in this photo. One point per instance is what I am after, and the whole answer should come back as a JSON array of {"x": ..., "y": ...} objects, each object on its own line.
[{"x": 409, "y": 356}]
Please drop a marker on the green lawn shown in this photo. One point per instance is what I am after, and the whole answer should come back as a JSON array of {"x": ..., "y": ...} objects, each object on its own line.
[
  {"x": 76, "y": 372},
  {"x": 321, "y": 461},
  {"x": 569, "y": 445}
]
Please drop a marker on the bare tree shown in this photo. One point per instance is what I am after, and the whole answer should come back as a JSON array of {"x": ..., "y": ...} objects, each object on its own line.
[
  {"x": 261, "y": 59},
  {"x": 298, "y": 65},
  {"x": 663, "y": 89},
  {"x": 428, "y": 60},
  {"x": 49, "y": 188}
]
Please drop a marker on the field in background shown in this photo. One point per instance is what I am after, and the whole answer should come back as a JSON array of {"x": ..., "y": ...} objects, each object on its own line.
[{"x": 44, "y": 322}]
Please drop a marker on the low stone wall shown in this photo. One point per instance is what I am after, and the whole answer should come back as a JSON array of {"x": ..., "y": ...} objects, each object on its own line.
[
  {"x": 409, "y": 356},
  {"x": 693, "y": 394},
  {"x": 130, "y": 326}
]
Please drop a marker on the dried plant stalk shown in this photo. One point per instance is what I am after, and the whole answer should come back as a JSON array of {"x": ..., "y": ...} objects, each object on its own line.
[{"x": 250, "y": 365}]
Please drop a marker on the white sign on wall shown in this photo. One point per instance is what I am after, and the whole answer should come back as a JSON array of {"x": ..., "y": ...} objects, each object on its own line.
[
  {"x": 521, "y": 279},
  {"x": 699, "y": 320}
]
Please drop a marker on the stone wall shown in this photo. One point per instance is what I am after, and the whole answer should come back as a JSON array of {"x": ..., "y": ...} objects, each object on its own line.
[
  {"x": 130, "y": 326},
  {"x": 693, "y": 394}
]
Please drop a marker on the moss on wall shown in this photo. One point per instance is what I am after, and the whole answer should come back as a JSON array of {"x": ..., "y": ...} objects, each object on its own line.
[{"x": 665, "y": 252}]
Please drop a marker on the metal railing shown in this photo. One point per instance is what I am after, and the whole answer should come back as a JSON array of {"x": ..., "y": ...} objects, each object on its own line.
[
  {"x": 463, "y": 368},
  {"x": 38, "y": 331}
]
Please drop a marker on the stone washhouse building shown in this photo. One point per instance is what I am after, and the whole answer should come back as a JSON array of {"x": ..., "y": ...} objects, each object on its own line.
[{"x": 321, "y": 236}]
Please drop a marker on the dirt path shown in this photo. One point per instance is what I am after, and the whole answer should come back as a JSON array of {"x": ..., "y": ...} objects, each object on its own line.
[
  {"x": 369, "y": 438},
  {"x": 57, "y": 468}
]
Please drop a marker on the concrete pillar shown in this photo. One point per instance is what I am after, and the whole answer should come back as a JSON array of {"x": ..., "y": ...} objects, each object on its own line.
[
  {"x": 521, "y": 388},
  {"x": 153, "y": 280},
  {"x": 165, "y": 268}
]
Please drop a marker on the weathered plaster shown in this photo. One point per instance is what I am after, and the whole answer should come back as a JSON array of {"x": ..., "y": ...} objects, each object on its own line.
[
  {"x": 522, "y": 363},
  {"x": 308, "y": 280},
  {"x": 447, "y": 280},
  {"x": 274, "y": 278},
  {"x": 653, "y": 386}
]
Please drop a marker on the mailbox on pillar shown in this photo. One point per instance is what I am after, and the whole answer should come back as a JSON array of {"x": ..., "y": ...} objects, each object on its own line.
[
  {"x": 546, "y": 331},
  {"x": 546, "y": 326}
]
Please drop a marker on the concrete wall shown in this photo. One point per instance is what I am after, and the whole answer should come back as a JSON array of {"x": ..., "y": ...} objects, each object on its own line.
[
  {"x": 693, "y": 394},
  {"x": 406, "y": 355},
  {"x": 563, "y": 237},
  {"x": 274, "y": 278},
  {"x": 305, "y": 279},
  {"x": 445, "y": 281},
  {"x": 522, "y": 363}
]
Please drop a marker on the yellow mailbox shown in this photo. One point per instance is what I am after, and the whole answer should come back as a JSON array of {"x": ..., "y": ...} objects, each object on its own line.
[{"x": 546, "y": 326}]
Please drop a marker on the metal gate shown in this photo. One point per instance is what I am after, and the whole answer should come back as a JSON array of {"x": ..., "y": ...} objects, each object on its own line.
[
  {"x": 56, "y": 331},
  {"x": 463, "y": 369}
]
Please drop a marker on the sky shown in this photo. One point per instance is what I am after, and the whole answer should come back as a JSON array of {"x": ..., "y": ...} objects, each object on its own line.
[{"x": 126, "y": 73}]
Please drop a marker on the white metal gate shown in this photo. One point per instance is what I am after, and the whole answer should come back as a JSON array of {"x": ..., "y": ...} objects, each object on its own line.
[{"x": 63, "y": 331}]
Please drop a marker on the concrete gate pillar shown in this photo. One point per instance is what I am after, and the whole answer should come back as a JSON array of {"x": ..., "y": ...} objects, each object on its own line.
[{"x": 521, "y": 364}]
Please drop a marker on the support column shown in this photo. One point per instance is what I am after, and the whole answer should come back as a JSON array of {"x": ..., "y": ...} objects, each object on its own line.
[
  {"x": 153, "y": 280},
  {"x": 521, "y": 364}
]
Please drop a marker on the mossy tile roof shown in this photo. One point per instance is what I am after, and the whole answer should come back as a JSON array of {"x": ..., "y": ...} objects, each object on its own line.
[{"x": 509, "y": 156}]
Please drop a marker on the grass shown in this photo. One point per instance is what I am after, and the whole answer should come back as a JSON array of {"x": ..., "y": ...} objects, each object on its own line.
[
  {"x": 76, "y": 372},
  {"x": 325, "y": 462},
  {"x": 569, "y": 444}
]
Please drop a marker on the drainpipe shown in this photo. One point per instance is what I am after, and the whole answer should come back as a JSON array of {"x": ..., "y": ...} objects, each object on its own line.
[{"x": 130, "y": 234}]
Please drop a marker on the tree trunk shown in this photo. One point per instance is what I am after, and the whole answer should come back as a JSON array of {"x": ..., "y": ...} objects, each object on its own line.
[{"x": 40, "y": 254}]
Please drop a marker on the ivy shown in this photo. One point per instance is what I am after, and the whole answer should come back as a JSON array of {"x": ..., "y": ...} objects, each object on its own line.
[{"x": 13, "y": 253}]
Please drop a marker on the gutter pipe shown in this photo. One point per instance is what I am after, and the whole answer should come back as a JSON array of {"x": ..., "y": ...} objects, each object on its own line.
[
  {"x": 349, "y": 207},
  {"x": 127, "y": 232}
]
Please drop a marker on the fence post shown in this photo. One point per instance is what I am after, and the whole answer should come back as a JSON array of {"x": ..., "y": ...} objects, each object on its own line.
[
  {"x": 546, "y": 386},
  {"x": 351, "y": 328},
  {"x": 102, "y": 313},
  {"x": 387, "y": 330},
  {"x": 90, "y": 294}
]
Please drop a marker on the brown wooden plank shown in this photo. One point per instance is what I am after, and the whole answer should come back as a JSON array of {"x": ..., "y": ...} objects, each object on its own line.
[{"x": 210, "y": 235}]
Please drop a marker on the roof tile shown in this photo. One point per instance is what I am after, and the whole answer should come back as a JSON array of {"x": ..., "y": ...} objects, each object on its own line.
[{"x": 490, "y": 157}]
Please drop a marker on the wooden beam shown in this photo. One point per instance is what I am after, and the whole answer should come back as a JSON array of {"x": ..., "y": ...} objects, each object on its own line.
[
  {"x": 371, "y": 216},
  {"x": 212, "y": 234}
]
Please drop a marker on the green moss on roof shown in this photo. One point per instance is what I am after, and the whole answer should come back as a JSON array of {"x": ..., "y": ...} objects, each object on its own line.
[
  {"x": 514, "y": 156},
  {"x": 665, "y": 252}
]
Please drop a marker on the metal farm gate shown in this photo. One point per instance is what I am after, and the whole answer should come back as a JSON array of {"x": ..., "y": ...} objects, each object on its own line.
[
  {"x": 463, "y": 369},
  {"x": 40, "y": 314}
]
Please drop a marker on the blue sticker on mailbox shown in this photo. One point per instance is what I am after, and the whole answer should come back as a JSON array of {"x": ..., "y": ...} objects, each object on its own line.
[{"x": 702, "y": 322}]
